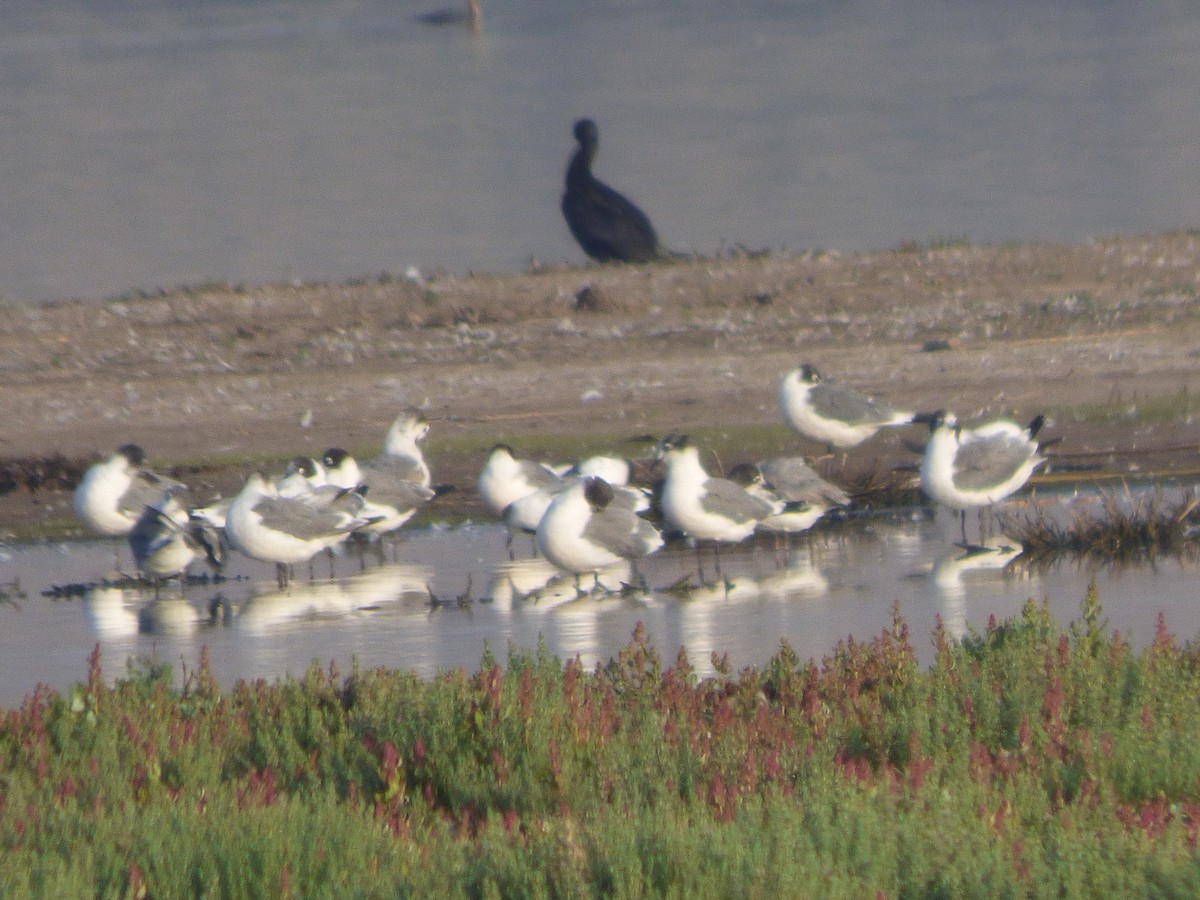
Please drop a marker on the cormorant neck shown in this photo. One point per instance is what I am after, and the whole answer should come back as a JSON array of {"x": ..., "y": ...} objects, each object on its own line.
[{"x": 580, "y": 169}]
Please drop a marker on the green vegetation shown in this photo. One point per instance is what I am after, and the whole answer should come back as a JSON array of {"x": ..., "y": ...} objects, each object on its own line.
[
  {"x": 1024, "y": 762},
  {"x": 1180, "y": 406}
]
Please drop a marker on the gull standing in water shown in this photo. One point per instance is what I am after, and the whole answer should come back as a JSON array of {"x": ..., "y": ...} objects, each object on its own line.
[
  {"x": 608, "y": 227},
  {"x": 707, "y": 508},
  {"x": 391, "y": 499},
  {"x": 833, "y": 414},
  {"x": 266, "y": 526},
  {"x": 504, "y": 480},
  {"x": 112, "y": 494},
  {"x": 588, "y": 527},
  {"x": 977, "y": 467},
  {"x": 790, "y": 481},
  {"x": 165, "y": 540}
]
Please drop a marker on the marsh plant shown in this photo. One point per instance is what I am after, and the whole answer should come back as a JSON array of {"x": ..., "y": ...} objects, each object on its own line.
[
  {"x": 1025, "y": 761},
  {"x": 1126, "y": 527}
]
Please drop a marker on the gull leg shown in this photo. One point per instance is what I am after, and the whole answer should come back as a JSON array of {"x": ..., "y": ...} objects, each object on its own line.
[{"x": 638, "y": 578}]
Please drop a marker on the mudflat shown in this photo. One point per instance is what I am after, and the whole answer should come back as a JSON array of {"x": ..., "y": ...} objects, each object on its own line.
[{"x": 215, "y": 380}]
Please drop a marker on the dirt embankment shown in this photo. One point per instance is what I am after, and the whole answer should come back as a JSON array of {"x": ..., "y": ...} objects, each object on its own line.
[{"x": 1105, "y": 336}]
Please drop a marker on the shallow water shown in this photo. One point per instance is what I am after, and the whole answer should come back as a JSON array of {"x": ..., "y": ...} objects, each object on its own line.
[
  {"x": 843, "y": 583},
  {"x": 146, "y": 145}
]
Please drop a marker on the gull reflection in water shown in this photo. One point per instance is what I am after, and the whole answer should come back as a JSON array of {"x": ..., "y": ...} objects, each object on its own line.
[
  {"x": 169, "y": 616},
  {"x": 536, "y": 584},
  {"x": 113, "y": 611},
  {"x": 704, "y": 612},
  {"x": 573, "y": 623},
  {"x": 948, "y": 577},
  {"x": 266, "y": 609},
  {"x": 799, "y": 578}
]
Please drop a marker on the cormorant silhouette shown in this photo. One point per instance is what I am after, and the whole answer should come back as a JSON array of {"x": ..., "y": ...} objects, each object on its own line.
[{"x": 607, "y": 225}]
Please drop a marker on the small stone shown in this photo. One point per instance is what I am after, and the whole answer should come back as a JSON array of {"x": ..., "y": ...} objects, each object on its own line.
[{"x": 592, "y": 298}]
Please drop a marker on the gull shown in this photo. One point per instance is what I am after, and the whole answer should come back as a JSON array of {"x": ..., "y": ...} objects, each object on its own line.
[
  {"x": 587, "y": 528},
  {"x": 214, "y": 513},
  {"x": 391, "y": 497},
  {"x": 831, "y": 413},
  {"x": 266, "y": 526},
  {"x": 790, "y": 481},
  {"x": 165, "y": 540},
  {"x": 303, "y": 477},
  {"x": 112, "y": 494},
  {"x": 613, "y": 469},
  {"x": 505, "y": 478},
  {"x": 524, "y": 515},
  {"x": 341, "y": 469},
  {"x": 977, "y": 467},
  {"x": 401, "y": 443},
  {"x": 707, "y": 508}
]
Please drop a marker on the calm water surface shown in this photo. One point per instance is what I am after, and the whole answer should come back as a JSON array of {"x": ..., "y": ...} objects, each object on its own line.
[
  {"x": 846, "y": 583},
  {"x": 146, "y": 145}
]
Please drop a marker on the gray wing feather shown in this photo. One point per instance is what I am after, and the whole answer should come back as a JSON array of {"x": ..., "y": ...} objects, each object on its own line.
[
  {"x": 299, "y": 520},
  {"x": 621, "y": 531},
  {"x": 387, "y": 482},
  {"x": 836, "y": 401},
  {"x": 793, "y": 479},
  {"x": 538, "y": 475},
  {"x": 982, "y": 463},
  {"x": 727, "y": 499},
  {"x": 146, "y": 489},
  {"x": 404, "y": 467}
]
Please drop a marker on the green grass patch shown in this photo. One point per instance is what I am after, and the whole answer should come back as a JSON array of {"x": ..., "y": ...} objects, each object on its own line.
[
  {"x": 723, "y": 444},
  {"x": 1027, "y": 759},
  {"x": 1179, "y": 406}
]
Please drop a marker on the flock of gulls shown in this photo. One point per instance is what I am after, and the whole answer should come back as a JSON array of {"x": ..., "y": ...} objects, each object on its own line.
[{"x": 584, "y": 517}]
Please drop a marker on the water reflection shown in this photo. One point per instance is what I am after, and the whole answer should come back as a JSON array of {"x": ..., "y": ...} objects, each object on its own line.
[
  {"x": 268, "y": 608},
  {"x": 535, "y": 585},
  {"x": 169, "y": 616},
  {"x": 800, "y": 578},
  {"x": 757, "y": 605},
  {"x": 427, "y": 618},
  {"x": 949, "y": 578},
  {"x": 113, "y": 612}
]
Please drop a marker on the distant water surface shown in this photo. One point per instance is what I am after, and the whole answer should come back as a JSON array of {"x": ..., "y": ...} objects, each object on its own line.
[{"x": 148, "y": 145}]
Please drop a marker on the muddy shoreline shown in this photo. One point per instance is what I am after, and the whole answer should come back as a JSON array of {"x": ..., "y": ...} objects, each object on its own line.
[{"x": 219, "y": 379}]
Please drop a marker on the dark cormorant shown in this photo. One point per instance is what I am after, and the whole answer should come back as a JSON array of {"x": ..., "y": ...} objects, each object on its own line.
[
  {"x": 607, "y": 226},
  {"x": 470, "y": 16}
]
